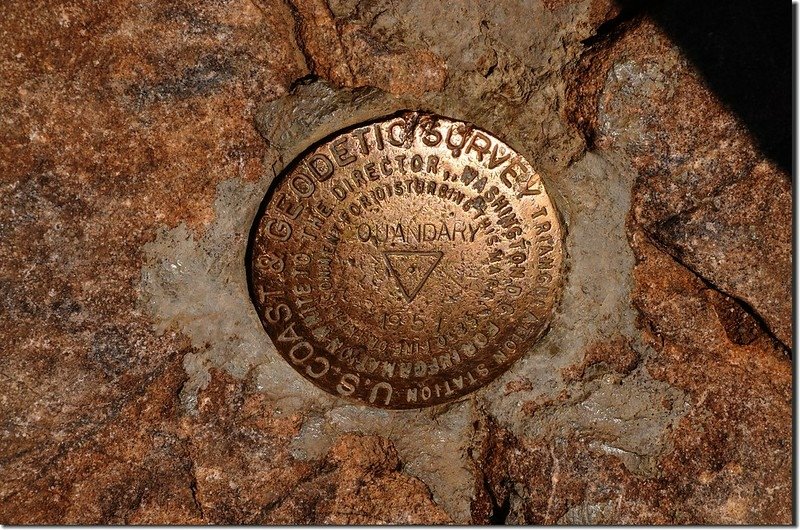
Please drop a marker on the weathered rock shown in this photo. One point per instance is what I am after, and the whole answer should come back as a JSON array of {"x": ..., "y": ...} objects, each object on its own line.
[
  {"x": 361, "y": 484},
  {"x": 124, "y": 462},
  {"x": 349, "y": 55},
  {"x": 732, "y": 451},
  {"x": 244, "y": 472},
  {"x": 137, "y": 385},
  {"x": 116, "y": 119},
  {"x": 711, "y": 199}
]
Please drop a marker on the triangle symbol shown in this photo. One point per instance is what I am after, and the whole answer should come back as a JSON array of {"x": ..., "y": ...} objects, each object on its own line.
[{"x": 411, "y": 269}]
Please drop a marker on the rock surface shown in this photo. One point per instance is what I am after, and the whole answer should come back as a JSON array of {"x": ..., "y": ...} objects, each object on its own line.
[{"x": 137, "y": 385}]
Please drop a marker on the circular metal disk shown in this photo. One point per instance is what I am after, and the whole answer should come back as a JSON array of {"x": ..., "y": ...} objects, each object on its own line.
[{"x": 406, "y": 262}]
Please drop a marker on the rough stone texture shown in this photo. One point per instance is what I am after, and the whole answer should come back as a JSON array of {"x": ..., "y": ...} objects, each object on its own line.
[
  {"x": 711, "y": 200},
  {"x": 136, "y": 382},
  {"x": 244, "y": 471}
]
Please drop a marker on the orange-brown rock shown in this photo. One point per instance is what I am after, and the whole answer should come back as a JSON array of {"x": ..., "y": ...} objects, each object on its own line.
[
  {"x": 136, "y": 385},
  {"x": 347, "y": 54},
  {"x": 712, "y": 200}
]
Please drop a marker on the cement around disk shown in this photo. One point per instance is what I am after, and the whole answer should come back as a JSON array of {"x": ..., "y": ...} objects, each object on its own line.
[{"x": 197, "y": 285}]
